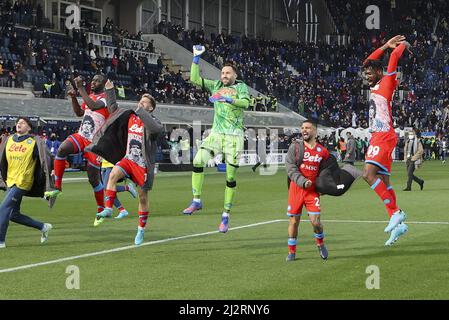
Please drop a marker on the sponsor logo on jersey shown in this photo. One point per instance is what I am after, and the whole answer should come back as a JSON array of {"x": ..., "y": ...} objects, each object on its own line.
[
  {"x": 310, "y": 158},
  {"x": 135, "y": 128},
  {"x": 17, "y": 148}
]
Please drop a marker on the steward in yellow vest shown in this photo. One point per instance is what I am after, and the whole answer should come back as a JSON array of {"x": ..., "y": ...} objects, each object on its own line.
[{"x": 25, "y": 165}]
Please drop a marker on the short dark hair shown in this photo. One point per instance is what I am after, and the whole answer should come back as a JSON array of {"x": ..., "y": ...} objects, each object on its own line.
[
  {"x": 373, "y": 64},
  {"x": 27, "y": 120},
  {"x": 312, "y": 122},
  {"x": 104, "y": 78},
  {"x": 135, "y": 142},
  {"x": 88, "y": 118},
  {"x": 232, "y": 65},
  {"x": 417, "y": 132}
]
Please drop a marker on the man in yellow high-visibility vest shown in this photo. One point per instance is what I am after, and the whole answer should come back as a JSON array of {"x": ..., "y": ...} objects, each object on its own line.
[{"x": 25, "y": 165}]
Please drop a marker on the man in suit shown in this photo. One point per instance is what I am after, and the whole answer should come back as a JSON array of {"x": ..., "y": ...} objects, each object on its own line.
[
  {"x": 413, "y": 154},
  {"x": 350, "y": 149}
]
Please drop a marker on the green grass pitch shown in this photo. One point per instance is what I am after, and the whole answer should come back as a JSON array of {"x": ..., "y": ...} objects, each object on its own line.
[{"x": 245, "y": 263}]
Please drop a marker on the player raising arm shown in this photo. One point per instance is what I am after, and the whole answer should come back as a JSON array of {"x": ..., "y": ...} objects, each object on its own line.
[
  {"x": 230, "y": 98},
  {"x": 378, "y": 161},
  {"x": 94, "y": 113}
]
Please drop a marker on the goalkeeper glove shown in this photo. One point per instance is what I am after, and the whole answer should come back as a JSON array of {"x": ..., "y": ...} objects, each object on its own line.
[
  {"x": 218, "y": 97},
  {"x": 198, "y": 50}
]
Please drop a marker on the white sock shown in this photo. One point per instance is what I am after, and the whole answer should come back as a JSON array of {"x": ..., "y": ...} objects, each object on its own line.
[
  {"x": 225, "y": 214},
  {"x": 197, "y": 200}
]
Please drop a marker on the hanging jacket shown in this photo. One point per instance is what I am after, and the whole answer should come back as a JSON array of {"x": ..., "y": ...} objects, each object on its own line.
[
  {"x": 332, "y": 180},
  {"x": 110, "y": 141}
]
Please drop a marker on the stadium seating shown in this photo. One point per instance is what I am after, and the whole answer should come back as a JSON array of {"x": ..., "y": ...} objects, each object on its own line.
[
  {"x": 319, "y": 80},
  {"x": 327, "y": 84}
]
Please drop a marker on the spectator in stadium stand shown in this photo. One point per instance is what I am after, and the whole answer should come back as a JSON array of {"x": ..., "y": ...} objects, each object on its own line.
[
  {"x": 259, "y": 103},
  {"x": 2, "y": 72},
  {"x": 53, "y": 144},
  {"x": 328, "y": 73}
]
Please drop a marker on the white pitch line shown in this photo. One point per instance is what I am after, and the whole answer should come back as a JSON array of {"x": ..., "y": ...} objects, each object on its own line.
[
  {"x": 386, "y": 221},
  {"x": 74, "y": 179},
  {"x": 34, "y": 265},
  {"x": 29, "y": 266}
]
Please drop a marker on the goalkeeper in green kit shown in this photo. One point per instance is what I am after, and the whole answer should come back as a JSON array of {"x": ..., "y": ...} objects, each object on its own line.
[{"x": 230, "y": 98}]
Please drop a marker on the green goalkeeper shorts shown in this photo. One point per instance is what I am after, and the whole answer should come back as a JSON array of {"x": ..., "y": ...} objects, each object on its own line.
[{"x": 230, "y": 146}]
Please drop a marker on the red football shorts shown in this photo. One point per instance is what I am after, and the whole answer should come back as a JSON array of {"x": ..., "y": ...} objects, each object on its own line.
[
  {"x": 80, "y": 143},
  {"x": 299, "y": 197},
  {"x": 133, "y": 171},
  {"x": 380, "y": 151}
]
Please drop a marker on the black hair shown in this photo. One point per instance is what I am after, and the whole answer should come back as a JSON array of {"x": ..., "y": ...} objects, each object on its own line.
[
  {"x": 232, "y": 65},
  {"x": 373, "y": 64},
  {"x": 88, "y": 118},
  {"x": 312, "y": 122},
  {"x": 135, "y": 142},
  {"x": 417, "y": 132},
  {"x": 27, "y": 120},
  {"x": 103, "y": 77}
]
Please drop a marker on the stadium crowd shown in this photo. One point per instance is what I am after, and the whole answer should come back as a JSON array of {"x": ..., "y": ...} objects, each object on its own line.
[
  {"x": 49, "y": 60},
  {"x": 327, "y": 85},
  {"x": 329, "y": 82}
]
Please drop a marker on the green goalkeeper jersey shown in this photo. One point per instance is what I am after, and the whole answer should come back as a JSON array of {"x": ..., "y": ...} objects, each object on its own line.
[{"x": 228, "y": 118}]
